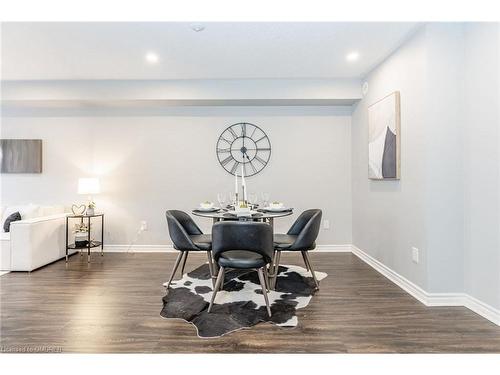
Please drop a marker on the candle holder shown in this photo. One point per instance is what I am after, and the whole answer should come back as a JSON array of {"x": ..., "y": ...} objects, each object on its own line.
[{"x": 244, "y": 195}]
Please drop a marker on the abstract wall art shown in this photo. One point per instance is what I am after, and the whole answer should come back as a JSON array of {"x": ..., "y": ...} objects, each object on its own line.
[
  {"x": 21, "y": 155},
  {"x": 384, "y": 120}
]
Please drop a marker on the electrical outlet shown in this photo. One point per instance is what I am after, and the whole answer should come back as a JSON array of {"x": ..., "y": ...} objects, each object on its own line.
[
  {"x": 326, "y": 224},
  {"x": 144, "y": 225},
  {"x": 414, "y": 254}
]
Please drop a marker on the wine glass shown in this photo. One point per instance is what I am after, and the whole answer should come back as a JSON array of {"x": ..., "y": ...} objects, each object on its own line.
[
  {"x": 265, "y": 199},
  {"x": 253, "y": 199},
  {"x": 221, "y": 197},
  {"x": 232, "y": 197}
]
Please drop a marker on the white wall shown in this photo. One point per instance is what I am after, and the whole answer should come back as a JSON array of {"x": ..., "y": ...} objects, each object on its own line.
[
  {"x": 482, "y": 162},
  {"x": 447, "y": 201},
  {"x": 389, "y": 216},
  {"x": 148, "y": 164},
  {"x": 443, "y": 156}
]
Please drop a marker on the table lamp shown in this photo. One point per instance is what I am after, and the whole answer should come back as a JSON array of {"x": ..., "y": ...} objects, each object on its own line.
[{"x": 89, "y": 186}]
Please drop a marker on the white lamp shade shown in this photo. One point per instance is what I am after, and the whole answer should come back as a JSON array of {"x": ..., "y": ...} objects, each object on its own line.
[{"x": 88, "y": 186}]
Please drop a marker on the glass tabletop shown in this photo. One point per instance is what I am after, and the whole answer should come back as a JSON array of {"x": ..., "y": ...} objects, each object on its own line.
[
  {"x": 73, "y": 216},
  {"x": 229, "y": 214}
]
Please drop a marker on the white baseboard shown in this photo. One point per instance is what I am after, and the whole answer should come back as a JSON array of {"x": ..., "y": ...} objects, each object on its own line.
[
  {"x": 397, "y": 279},
  {"x": 483, "y": 309},
  {"x": 139, "y": 249},
  {"x": 430, "y": 299},
  {"x": 333, "y": 248}
]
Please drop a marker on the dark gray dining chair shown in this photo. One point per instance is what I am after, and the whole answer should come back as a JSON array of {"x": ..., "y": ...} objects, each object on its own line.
[
  {"x": 187, "y": 236},
  {"x": 242, "y": 245},
  {"x": 300, "y": 237}
]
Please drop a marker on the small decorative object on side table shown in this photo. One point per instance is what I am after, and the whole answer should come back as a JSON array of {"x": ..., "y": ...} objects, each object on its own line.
[
  {"x": 81, "y": 228},
  {"x": 90, "y": 209}
]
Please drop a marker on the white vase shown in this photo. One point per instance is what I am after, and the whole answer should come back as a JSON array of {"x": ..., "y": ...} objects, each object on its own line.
[{"x": 81, "y": 239}]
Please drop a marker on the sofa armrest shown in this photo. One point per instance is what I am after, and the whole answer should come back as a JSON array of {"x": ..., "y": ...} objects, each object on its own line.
[
  {"x": 38, "y": 219},
  {"x": 38, "y": 241}
]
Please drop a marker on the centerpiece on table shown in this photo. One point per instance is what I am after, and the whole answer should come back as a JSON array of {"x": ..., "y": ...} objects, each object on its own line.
[{"x": 241, "y": 207}]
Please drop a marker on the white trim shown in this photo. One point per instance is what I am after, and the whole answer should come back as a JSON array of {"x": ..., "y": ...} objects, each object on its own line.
[
  {"x": 483, "y": 309},
  {"x": 333, "y": 248},
  {"x": 139, "y": 249},
  {"x": 397, "y": 279},
  {"x": 430, "y": 299}
]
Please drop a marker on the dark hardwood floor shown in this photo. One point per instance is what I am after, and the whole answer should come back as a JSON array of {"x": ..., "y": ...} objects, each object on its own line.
[{"x": 113, "y": 305}]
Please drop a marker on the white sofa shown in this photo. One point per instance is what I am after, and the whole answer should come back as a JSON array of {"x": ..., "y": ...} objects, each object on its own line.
[{"x": 39, "y": 238}]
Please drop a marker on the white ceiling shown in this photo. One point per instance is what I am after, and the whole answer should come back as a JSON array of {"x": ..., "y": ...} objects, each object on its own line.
[{"x": 39, "y": 51}]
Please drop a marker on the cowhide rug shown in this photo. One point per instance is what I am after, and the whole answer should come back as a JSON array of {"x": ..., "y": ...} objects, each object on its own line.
[{"x": 240, "y": 304}]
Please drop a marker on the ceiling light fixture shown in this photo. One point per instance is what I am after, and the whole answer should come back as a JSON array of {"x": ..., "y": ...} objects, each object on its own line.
[
  {"x": 352, "y": 56},
  {"x": 197, "y": 27},
  {"x": 152, "y": 57}
]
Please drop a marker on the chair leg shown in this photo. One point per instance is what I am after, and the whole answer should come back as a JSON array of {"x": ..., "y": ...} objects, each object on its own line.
[
  {"x": 221, "y": 286},
  {"x": 270, "y": 271},
  {"x": 306, "y": 254},
  {"x": 220, "y": 277},
  {"x": 177, "y": 261},
  {"x": 261, "y": 271},
  {"x": 276, "y": 269},
  {"x": 211, "y": 267},
  {"x": 186, "y": 253},
  {"x": 305, "y": 260},
  {"x": 266, "y": 278}
]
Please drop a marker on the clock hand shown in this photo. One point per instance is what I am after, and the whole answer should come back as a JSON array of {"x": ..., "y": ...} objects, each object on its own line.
[{"x": 244, "y": 134}]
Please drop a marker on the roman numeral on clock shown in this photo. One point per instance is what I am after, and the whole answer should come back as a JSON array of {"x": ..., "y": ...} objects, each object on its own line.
[
  {"x": 235, "y": 167},
  {"x": 233, "y": 133},
  {"x": 254, "y": 130},
  {"x": 260, "y": 160},
  {"x": 227, "y": 160},
  {"x": 253, "y": 167}
]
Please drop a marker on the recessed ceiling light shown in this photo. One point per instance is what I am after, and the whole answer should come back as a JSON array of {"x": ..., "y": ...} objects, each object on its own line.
[
  {"x": 197, "y": 27},
  {"x": 352, "y": 56},
  {"x": 152, "y": 57}
]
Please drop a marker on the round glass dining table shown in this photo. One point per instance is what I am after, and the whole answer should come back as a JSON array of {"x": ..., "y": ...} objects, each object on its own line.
[
  {"x": 264, "y": 216},
  {"x": 220, "y": 215}
]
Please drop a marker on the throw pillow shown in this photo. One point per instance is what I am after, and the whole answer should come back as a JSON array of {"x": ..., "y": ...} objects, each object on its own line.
[{"x": 16, "y": 216}]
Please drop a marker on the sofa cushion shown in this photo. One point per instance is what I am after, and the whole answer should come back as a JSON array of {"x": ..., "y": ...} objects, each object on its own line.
[
  {"x": 16, "y": 216},
  {"x": 28, "y": 211},
  {"x": 4, "y": 236}
]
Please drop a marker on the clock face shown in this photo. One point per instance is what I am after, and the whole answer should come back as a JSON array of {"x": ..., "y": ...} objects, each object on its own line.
[{"x": 243, "y": 144}]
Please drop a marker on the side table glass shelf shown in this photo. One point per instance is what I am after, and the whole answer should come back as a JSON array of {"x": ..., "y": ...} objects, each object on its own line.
[{"x": 90, "y": 243}]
